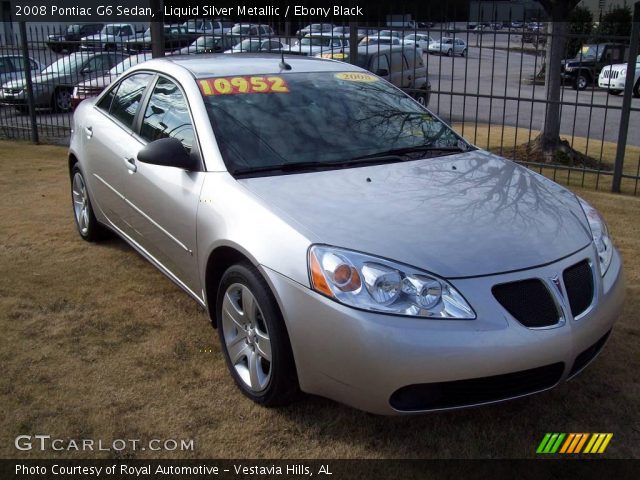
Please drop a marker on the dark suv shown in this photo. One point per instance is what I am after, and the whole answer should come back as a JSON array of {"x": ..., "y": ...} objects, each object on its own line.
[
  {"x": 70, "y": 39},
  {"x": 585, "y": 68},
  {"x": 402, "y": 66}
]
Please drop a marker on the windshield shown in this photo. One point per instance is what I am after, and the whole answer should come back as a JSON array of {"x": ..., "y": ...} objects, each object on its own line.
[
  {"x": 193, "y": 24},
  {"x": 111, "y": 30},
  {"x": 242, "y": 30},
  {"x": 65, "y": 65},
  {"x": 248, "y": 45},
  {"x": 316, "y": 41},
  {"x": 590, "y": 51},
  {"x": 316, "y": 117}
]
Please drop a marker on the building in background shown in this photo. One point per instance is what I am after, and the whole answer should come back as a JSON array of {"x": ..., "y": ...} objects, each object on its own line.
[{"x": 489, "y": 11}]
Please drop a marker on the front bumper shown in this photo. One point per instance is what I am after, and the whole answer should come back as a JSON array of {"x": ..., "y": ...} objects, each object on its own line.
[
  {"x": 612, "y": 84},
  {"x": 361, "y": 358}
]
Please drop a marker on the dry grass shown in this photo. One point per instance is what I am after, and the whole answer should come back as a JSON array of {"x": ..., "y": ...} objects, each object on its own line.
[{"x": 98, "y": 344}]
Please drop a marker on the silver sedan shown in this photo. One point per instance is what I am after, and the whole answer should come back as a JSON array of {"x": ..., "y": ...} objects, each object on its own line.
[{"x": 343, "y": 239}]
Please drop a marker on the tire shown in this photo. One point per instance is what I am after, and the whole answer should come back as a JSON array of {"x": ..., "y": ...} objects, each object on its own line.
[
  {"x": 24, "y": 109},
  {"x": 61, "y": 100},
  {"x": 449, "y": 53},
  {"x": 636, "y": 89},
  {"x": 254, "y": 339},
  {"x": 582, "y": 82},
  {"x": 464, "y": 53},
  {"x": 88, "y": 226},
  {"x": 422, "y": 99},
  {"x": 615, "y": 92}
]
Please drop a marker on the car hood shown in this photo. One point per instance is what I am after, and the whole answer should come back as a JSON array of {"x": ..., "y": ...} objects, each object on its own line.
[{"x": 457, "y": 216}]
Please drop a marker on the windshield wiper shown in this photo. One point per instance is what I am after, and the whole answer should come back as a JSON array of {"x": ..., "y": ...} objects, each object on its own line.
[
  {"x": 420, "y": 149},
  {"x": 315, "y": 165}
]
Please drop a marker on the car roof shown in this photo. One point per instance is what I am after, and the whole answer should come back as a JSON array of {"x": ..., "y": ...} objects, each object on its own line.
[{"x": 212, "y": 65}]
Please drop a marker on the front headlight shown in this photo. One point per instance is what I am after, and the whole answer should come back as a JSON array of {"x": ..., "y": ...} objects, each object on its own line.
[
  {"x": 600, "y": 234},
  {"x": 623, "y": 72},
  {"x": 371, "y": 283}
]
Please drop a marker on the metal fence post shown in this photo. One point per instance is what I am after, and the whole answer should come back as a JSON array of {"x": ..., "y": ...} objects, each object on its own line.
[
  {"x": 353, "y": 42},
  {"x": 27, "y": 74},
  {"x": 157, "y": 29},
  {"x": 626, "y": 102}
]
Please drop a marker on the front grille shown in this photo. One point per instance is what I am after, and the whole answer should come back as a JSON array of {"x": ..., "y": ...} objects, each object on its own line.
[
  {"x": 529, "y": 302},
  {"x": 613, "y": 74},
  {"x": 578, "y": 281},
  {"x": 462, "y": 393},
  {"x": 589, "y": 354}
]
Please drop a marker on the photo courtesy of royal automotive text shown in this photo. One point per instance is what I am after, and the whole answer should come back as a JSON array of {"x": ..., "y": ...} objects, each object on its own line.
[{"x": 388, "y": 239}]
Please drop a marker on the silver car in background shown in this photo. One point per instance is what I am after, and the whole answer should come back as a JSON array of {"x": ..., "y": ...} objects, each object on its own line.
[
  {"x": 448, "y": 46},
  {"x": 343, "y": 239}
]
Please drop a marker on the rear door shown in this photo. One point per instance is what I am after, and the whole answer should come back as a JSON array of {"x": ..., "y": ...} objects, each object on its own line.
[
  {"x": 109, "y": 143},
  {"x": 164, "y": 200}
]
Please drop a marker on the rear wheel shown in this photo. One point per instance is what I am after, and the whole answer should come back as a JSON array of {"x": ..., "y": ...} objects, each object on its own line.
[
  {"x": 636, "y": 89},
  {"x": 254, "y": 339},
  {"x": 449, "y": 52},
  {"x": 61, "y": 100},
  {"x": 88, "y": 227},
  {"x": 615, "y": 92}
]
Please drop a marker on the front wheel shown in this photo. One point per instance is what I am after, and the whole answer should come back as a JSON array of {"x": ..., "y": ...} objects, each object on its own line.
[
  {"x": 422, "y": 99},
  {"x": 582, "y": 82},
  {"x": 464, "y": 52},
  {"x": 636, "y": 89},
  {"x": 254, "y": 338},
  {"x": 449, "y": 52}
]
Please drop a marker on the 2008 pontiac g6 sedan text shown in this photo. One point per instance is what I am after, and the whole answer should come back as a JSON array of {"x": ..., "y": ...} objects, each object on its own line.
[{"x": 344, "y": 240}]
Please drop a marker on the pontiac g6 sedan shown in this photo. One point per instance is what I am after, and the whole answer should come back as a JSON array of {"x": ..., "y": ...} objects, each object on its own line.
[{"x": 344, "y": 240}]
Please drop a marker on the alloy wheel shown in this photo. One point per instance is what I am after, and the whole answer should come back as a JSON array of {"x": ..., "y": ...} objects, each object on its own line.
[
  {"x": 63, "y": 100},
  {"x": 81, "y": 203},
  {"x": 246, "y": 337}
]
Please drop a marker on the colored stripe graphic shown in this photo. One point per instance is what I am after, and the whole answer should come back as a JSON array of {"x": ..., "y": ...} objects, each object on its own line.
[{"x": 573, "y": 443}]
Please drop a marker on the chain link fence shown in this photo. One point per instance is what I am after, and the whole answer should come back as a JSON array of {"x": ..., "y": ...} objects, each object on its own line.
[{"x": 485, "y": 79}]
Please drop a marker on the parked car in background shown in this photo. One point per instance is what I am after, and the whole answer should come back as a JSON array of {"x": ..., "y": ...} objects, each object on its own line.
[
  {"x": 93, "y": 87},
  {"x": 401, "y": 66},
  {"x": 113, "y": 36},
  {"x": 391, "y": 33},
  {"x": 583, "y": 70},
  {"x": 614, "y": 78},
  {"x": 175, "y": 36},
  {"x": 244, "y": 30},
  {"x": 315, "y": 28},
  {"x": 372, "y": 40},
  {"x": 318, "y": 43},
  {"x": 53, "y": 86},
  {"x": 420, "y": 40},
  {"x": 12, "y": 67},
  {"x": 257, "y": 45},
  {"x": 208, "y": 44},
  {"x": 212, "y": 27},
  {"x": 448, "y": 46},
  {"x": 69, "y": 41}
]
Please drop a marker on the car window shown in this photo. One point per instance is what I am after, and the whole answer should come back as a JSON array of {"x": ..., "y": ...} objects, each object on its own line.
[
  {"x": 127, "y": 98},
  {"x": 380, "y": 62},
  {"x": 5, "y": 65},
  {"x": 167, "y": 115},
  {"x": 126, "y": 30},
  {"x": 99, "y": 63}
]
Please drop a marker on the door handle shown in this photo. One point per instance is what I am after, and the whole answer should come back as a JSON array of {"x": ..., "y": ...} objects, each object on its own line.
[
  {"x": 130, "y": 163},
  {"x": 88, "y": 131}
]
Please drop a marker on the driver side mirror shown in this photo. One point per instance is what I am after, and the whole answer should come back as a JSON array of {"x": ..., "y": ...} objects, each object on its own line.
[
  {"x": 86, "y": 71},
  {"x": 168, "y": 152}
]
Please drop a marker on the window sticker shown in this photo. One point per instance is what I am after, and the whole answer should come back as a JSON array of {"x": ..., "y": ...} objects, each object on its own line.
[
  {"x": 249, "y": 84},
  {"x": 356, "y": 77}
]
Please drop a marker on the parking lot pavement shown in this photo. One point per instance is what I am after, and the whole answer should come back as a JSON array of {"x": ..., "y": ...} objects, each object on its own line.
[{"x": 488, "y": 71}]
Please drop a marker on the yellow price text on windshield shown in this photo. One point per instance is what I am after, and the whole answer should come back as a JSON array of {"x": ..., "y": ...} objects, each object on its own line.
[
  {"x": 238, "y": 85},
  {"x": 356, "y": 77}
]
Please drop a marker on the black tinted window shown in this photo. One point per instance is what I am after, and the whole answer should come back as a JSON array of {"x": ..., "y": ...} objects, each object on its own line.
[
  {"x": 127, "y": 99},
  {"x": 167, "y": 115}
]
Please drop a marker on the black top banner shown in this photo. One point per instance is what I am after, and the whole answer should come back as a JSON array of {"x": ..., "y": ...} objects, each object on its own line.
[{"x": 144, "y": 11}]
